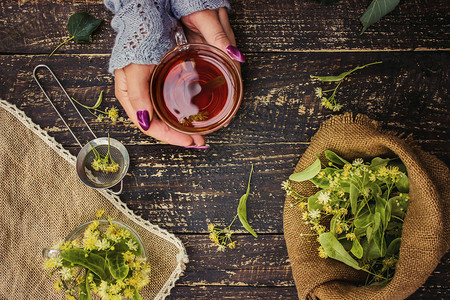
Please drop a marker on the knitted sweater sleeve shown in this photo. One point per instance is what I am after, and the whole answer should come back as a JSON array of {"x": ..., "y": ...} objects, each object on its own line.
[
  {"x": 182, "y": 8},
  {"x": 145, "y": 28}
]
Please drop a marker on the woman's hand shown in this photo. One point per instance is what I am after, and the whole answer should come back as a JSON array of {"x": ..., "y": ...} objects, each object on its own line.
[
  {"x": 132, "y": 84},
  {"x": 212, "y": 27}
]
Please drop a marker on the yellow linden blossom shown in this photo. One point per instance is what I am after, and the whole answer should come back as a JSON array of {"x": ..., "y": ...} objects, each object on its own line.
[
  {"x": 350, "y": 236},
  {"x": 99, "y": 213},
  {"x": 372, "y": 177},
  {"x": 213, "y": 237},
  {"x": 305, "y": 215},
  {"x": 66, "y": 245},
  {"x": 131, "y": 245},
  {"x": 232, "y": 245},
  {"x": 302, "y": 206},
  {"x": 92, "y": 227},
  {"x": 124, "y": 233},
  {"x": 57, "y": 285},
  {"x": 322, "y": 252},
  {"x": 383, "y": 172},
  {"x": 112, "y": 232},
  {"x": 211, "y": 227},
  {"x": 70, "y": 297},
  {"x": 113, "y": 113},
  {"x": 90, "y": 242},
  {"x": 319, "y": 228},
  {"x": 128, "y": 256},
  {"x": 128, "y": 292}
]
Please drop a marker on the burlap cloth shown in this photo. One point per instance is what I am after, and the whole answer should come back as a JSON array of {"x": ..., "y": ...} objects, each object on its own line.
[
  {"x": 425, "y": 237},
  {"x": 42, "y": 200}
]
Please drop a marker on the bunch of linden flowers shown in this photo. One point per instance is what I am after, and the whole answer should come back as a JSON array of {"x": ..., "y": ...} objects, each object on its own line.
[
  {"x": 108, "y": 264},
  {"x": 104, "y": 163},
  {"x": 357, "y": 214}
]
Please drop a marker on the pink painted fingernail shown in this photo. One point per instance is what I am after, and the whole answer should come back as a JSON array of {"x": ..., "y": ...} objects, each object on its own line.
[
  {"x": 143, "y": 119},
  {"x": 235, "y": 53},
  {"x": 206, "y": 146}
]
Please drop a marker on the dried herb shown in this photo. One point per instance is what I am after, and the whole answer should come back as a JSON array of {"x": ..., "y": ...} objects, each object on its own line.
[{"x": 80, "y": 25}]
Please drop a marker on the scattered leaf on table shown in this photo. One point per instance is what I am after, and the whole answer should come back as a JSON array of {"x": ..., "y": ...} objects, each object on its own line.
[
  {"x": 376, "y": 10},
  {"x": 242, "y": 208},
  {"x": 80, "y": 25},
  {"x": 307, "y": 173}
]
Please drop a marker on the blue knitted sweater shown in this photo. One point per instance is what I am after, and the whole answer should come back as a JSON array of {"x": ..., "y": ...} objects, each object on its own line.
[{"x": 145, "y": 27}]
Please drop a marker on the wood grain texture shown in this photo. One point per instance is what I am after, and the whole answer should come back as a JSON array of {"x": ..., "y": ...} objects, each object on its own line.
[
  {"x": 293, "y": 26},
  {"x": 182, "y": 190},
  {"x": 408, "y": 92}
]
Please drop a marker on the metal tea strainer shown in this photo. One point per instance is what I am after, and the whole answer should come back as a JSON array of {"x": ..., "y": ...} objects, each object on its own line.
[{"x": 118, "y": 152}]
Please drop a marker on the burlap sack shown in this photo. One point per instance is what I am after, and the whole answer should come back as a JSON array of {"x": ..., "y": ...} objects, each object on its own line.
[
  {"x": 42, "y": 200},
  {"x": 425, "y": 237}
]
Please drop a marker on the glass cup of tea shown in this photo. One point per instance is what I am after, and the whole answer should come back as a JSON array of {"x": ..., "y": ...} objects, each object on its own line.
[{"x": 196, "y": 88}]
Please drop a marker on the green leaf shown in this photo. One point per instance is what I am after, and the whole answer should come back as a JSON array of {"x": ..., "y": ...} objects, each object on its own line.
[
  {"x": 369, "y": 233},
  {"x": 136, "y": 295},
  {"x": 123, "y": 247},
  {"x": 354, "y": 194},
  {"x": 394, "y": 247},
  {"x": 357, "y": 249},
  {"x": 242, "y": 208},
  {"x": 378, "y": 162},
  {"x": 335, "y": 250},
  {"x": 81, "y": 25},
  {"x": 93, "y": 262},
  {"x": 333, "y": 157},
  {"x": 83, "y": 293},
  {"x": 313, "y": 202},
  {"x": 376, "y": 10},
  {"x": 307, "y": 173},
  {"x": 403, "y": 184},
  {"x": 88, "y": 286},
  {"x": 99, "y": 101},
  {"x": 376, "y": 220},
  {"x": 342, "y": 75},
  {"x": 117, "y": 266},
  {"x": 363, "y": 219}
]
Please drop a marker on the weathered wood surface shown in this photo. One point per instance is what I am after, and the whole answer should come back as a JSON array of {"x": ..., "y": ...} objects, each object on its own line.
[
  {"x": 183, "y": 190},
  {"x": 32, "y": 26}
]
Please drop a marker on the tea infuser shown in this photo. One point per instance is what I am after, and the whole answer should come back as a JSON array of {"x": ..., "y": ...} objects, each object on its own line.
[{"x": 117, "y": 151}]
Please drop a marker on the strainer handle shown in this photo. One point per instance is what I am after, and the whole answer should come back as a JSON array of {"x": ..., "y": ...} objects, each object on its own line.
[
  {"x": 120, "y": 191},
  {"x": 54, "y": 107}
]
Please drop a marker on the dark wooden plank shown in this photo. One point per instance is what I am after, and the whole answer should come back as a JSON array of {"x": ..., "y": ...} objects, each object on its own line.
[
  {"x": 39, "y": 26},
  {"x": 232, "y": 292},
  {"x": 408, "y": 92},
  {"x": 263, "y": 263}
]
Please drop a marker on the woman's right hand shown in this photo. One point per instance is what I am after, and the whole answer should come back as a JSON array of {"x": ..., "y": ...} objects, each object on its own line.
[{"x": 132, "y": 89}]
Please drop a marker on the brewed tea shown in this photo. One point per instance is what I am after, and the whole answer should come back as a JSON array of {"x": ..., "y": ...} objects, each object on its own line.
[{"x": 194, "y": 90}]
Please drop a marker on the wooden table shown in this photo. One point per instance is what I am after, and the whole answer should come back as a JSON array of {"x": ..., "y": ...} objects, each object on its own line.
[{"x": 284, "y": 42}]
